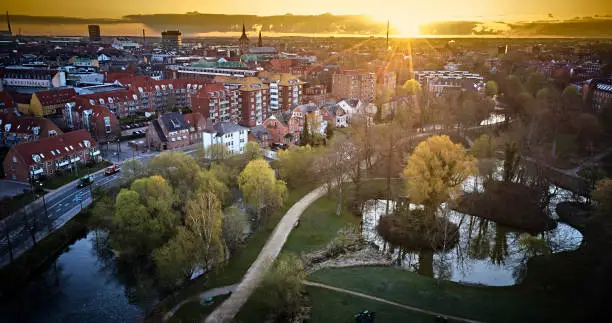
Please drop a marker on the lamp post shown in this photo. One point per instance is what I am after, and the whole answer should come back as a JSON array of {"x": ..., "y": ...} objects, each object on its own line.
[{"x": 45, "y": 204}]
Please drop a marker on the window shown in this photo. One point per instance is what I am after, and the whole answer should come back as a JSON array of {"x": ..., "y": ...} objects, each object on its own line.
[{"x": 14, "y": 159}]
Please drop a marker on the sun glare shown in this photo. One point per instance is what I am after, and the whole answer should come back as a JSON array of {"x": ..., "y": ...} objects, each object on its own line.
[{"x": 405, "y": 25}]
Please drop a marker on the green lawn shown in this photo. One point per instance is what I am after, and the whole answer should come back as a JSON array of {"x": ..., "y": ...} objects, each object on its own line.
[
  {"x": 238, "y": 264},
  {"x": 490, "y": 304},
  {"x": 58, "y": 181},
  {"x": 318, "y": 226},
  {"x": 331, "y": 306},
  {"x": 191, "y": 310}
]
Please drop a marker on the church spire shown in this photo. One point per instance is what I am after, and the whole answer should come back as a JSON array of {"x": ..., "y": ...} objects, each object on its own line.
[
  {"x": 8, "y": 22},
  {"x": 260, "y": 42},
  {"x": 243, "y": 30}
]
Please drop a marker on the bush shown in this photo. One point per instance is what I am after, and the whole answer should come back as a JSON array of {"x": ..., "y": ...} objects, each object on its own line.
[{"x": 414, "y": 233}]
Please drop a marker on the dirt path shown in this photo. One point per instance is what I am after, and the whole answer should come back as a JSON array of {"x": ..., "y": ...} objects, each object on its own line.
[
  {"x": 382, "y": 300},
  {"x": 228, "y": 310},
  {"x": 201, "y": 297}
]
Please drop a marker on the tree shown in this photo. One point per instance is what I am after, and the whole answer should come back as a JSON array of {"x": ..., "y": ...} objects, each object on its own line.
[
  {"x": 588, "y": 129},
  {"x": 329, "y": 130},
  {"x": 305, "y": 138},
  {"x": 484, "y": 147},
  {"x": 412, "y": 87},
  {"x": 391, "y": 140},
  {"x": 435, "y": 171},
  {"x": 512, "y": 159},
  {"x": 131, "y": 169},
  {"x": 234, "y": 223},
  {"x": 102, "y": 213},
  {"x": 491, "y": 88},
  {"x": 135, "y": 231},
  {"x": 260, "y": 187},
  {"x": 601, "y": 195},
  {"x": 217, "y": 153},
  {"x": 178, "y": 169},
  {"x": 295, "y": 165},
  {"x": 333, "y": 165},
  {"x": 380, "y": 100},
  {"x": 252, "y": 151},
  {"x": 606, "y": 116},
  {"x": 283, "y": 286},
  {"x": 206, "y": 181},
  {"x": 535, "y": 82},
  {"x": 199, "y": 244},
  {"x": 155, "y": 193}
]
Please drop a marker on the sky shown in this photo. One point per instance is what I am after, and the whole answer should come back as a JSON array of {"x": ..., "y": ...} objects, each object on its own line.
[
  {"x": 406, "y": 16},
  {"x": 428, "y": 10}
]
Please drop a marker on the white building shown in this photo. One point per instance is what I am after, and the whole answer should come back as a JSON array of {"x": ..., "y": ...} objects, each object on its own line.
[
  {"x": 230, "y": 134},
  {"x": 125, "y": 43},
  {"x": 22, "y": 76}
]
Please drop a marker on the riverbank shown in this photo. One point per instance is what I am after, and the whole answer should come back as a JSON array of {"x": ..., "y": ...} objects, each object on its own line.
[{"x": 20, "y": 271}]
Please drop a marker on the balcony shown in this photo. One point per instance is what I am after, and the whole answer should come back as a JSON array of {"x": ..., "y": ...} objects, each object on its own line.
[
  {"x": 95, "y": 152},
  {"x": 36, "y": 170},
  {"x": 62, "y": 163},
  {"x": 75, "y": 159}
]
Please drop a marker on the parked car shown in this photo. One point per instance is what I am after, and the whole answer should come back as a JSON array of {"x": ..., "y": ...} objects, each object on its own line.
[{"x": 112, "y": 169}]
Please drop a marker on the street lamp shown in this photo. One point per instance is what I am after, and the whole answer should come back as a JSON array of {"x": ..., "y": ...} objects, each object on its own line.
[{"x": 45, "y": 204}]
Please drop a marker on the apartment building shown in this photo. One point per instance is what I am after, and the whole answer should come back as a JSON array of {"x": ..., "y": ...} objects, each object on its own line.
[
  {"x": 286, "y": 90},
  {"x": 354, "y": 84},
  {"x": 253, "y": 100},
  {"x": 218, "y": 103}
]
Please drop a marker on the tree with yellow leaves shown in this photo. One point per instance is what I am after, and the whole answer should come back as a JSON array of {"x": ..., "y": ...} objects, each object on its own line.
[
  {"x": 435, "y": 171},
  {"x": 260, "y": 187}
]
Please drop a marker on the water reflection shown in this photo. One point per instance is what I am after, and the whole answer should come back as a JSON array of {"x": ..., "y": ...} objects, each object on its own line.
[
  {"x": 486, "y": 253},
  {"x": 82, "y": 285}
]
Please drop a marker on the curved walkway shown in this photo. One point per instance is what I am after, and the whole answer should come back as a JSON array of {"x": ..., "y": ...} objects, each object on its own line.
[
  {"x": 382, "y": 300},
  {"x": 201, "y": 297},
  {"x": 228, "y": 309}
]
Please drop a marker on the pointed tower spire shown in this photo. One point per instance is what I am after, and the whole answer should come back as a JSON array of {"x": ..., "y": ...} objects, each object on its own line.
[
  {"x": 243, "y": 30},
  {"x": 260, "y": 42},
  {"x": 8, "y": 22},
  {"x": 387, "y": 34}
]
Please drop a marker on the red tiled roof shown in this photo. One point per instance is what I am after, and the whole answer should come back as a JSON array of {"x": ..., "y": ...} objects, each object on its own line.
[
  {"x": 147, "y": 84},
  {"x": 281, "y": 64},
  {"x": 25, "y": 124},
  {"x": 210, "y": 88},
  {"x": 119, "y": 96},
  {"x": 99, "y": 111},
  {"x": 6, "y": 101},
  {"x": 50, "y": 148},
  {"x": 55, "y": 96},
  {"x": 21, "y": 98}
]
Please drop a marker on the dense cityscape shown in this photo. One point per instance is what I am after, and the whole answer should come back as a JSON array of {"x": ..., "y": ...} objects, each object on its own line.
[{"x": 257, "y": 177}]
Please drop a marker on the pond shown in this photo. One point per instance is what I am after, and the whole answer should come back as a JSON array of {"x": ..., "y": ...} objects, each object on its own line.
[
  {"x": 82, "y": 285},
  {"x": 486, "y": 253}
]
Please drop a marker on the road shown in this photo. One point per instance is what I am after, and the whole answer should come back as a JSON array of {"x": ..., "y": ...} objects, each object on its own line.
[{"x": 61, "y": 205}]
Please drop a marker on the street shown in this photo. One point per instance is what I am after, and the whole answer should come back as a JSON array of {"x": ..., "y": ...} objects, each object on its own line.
[{"x": 17, "y": 230}]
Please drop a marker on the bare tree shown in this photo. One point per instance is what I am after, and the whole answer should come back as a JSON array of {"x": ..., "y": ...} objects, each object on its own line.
[{"x": 333, "y": 165}]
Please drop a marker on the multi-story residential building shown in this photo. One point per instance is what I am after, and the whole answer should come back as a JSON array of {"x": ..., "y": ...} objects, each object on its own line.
[
  {"x": 316, "y": 94},
  {"x": 122, "y": 103},
  {"x": 103, "y": 125},
  {"x": 51, "y": 103},
  {"x": 94, "y": 33},
  {"x": 598, "y": 92},
  {"x": 278, "y": 131},
  {"x": 124, "y": 43},
  {"x": 196, "y": 124},
  {"x": 253, "y": 100},
  {"x": 49, "y": 156},
  {"x": 286, "y": 90},
  {"x": 354, "y": 84},
  {"x": 32, "y": 77},
  {"x": 218, "y": 103},
  {"x": 205, "y": 73},
  {"x": 435, "y": 83},
  {"x": 168, "y": 131},
  {"x": 233, "y": 136},
  {"x": 172, "y": 39},
  {"x": 16, "y": 129},
  {"x": 386, "y": 81}
]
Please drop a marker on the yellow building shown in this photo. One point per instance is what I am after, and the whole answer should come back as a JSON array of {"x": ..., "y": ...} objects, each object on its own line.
[{"x": 47, "y": 103}]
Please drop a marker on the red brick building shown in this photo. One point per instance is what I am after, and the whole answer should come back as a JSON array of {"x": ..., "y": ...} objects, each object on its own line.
[
  {"x": 354, "y": 84},
  {"x": 278, "y": 131},
  {"x": 122, "y": 103},
  {"x": 16, "y": 129},
  {"x": 169, "y": 131},
  {"x": 6, "y": 102},
  {"x": 253, "y": 100},
  {"x": 217, "y": 103},
  {"x": 103, "y": 125},
  {"x": 286, "y": 90},
  {"x": 49, "y": 156},
  {"x": 196, "y": 123},
  {"x": 316, "y": 94}
]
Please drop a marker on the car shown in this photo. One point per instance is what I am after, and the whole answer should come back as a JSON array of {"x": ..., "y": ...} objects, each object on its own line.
[
  {"x": 112, "y": 169},
  {"x": 85, "y": 181}
]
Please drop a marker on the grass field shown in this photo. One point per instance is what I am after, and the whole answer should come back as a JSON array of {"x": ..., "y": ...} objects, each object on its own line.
[
  {"x": 193, "y": 309},
  {"x": 490, "y": 304}
]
